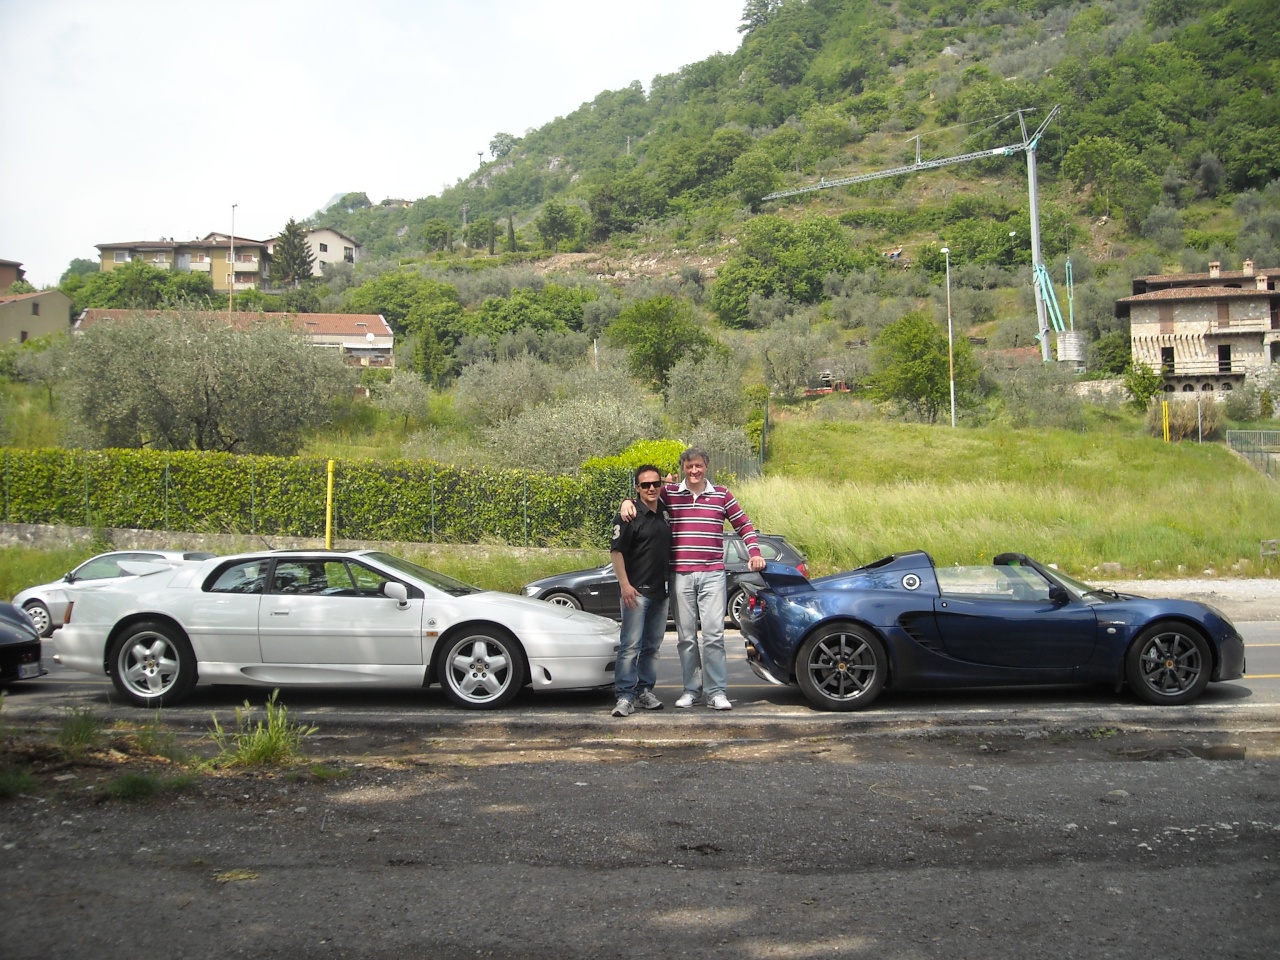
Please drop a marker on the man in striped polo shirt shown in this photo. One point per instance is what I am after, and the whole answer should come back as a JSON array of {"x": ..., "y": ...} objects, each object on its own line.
[{"x": 699, "y": 511}]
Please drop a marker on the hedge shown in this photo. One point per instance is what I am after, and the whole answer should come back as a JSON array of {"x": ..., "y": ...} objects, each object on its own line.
[{"x": 407, "y": 500}]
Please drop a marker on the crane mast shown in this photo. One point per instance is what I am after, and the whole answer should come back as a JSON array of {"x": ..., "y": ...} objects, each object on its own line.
[{"x": 1027, "y": 145}]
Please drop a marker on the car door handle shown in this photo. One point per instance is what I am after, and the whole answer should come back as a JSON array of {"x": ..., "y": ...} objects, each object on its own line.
[{"x": 279, "y": 613}]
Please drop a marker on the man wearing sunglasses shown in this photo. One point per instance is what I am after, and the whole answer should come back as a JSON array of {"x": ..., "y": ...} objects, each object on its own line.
[
  {"x": 640, "y": 550},
  {"x": 699, "y": 511}
]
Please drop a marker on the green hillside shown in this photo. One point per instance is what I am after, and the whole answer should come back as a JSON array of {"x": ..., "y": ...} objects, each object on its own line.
[{"x": 1166, "y": 105}]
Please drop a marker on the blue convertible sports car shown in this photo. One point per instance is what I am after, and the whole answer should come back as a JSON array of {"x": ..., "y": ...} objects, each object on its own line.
[{"x": 903, "y": 624}]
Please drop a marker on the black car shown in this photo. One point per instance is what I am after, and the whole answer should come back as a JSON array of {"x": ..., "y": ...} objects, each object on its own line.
[
  {"x": 596, "y": 590},
  {"x": 19, "y": 646}
]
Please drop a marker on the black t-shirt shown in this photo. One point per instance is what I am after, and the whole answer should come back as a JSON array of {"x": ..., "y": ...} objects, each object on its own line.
[{"x": 645, "y": 545}]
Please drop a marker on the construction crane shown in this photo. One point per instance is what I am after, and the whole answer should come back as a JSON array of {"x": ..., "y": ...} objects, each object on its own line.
[{"x": 1028, "y": 146}]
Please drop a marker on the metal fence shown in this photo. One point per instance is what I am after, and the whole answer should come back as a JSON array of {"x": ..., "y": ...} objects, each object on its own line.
[{"x": 1259, "y": 447}]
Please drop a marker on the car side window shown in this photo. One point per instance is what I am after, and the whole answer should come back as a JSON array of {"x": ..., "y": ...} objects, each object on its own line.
[
  {"x": 368, "y": 582},
  {"x": 338, "y": 580},
  {"x": 246, "y": 577},
  {"x": 768, "y": 550},
  {"x": 300, "y": 576},
  {"x": 993, "y": 583},
  {"x": 733, "y": 551}
]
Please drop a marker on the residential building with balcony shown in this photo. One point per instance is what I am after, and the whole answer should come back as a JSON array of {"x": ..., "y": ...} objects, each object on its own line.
[
  {"x": 1205, "y": 332},
  {"x": 361, "y": 339},
  {"x": 244, "y": 263},
  {"x": 328, "y": 246}
]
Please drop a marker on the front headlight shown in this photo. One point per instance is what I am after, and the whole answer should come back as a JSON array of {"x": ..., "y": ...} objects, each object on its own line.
[{"x": 529, "y": 591}]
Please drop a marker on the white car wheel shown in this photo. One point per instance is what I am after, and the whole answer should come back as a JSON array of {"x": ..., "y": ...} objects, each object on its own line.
[{"x": 481, "y": 669}]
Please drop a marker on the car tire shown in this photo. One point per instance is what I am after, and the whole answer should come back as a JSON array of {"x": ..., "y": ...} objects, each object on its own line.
[
  {"x": 481, "y": 669},
  {"x": 152, "y": 665},
  {"x": 561, "y": 599},
  {"x": 842, "y": 667},
  {"x": 40, "y": 616},
  {"x": 737, "y": 607},
  {"x": 1169, "y": 663}
]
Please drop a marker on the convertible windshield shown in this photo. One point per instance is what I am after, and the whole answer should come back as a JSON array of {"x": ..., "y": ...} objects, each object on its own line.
[
  {"x": 1071, "y": 583},
  {"x": 455, "y": 588}
]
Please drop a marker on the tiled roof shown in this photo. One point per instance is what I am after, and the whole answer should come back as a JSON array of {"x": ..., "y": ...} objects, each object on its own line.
[
  {"x": 11, "y": 297},
  {"x": 1198, "y": 293},
  {"x": 314, "y": 324}
]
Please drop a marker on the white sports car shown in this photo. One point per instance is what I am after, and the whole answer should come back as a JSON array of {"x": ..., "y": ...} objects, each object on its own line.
[{"x": 360, "y": 618}]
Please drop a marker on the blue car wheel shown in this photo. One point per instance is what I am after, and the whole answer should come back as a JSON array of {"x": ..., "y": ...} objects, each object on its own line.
[{"x": 842, "y": 667}]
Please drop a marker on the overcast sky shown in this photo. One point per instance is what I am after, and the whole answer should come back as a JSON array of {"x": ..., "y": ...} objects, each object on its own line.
[{"x": 127, "y": 121}]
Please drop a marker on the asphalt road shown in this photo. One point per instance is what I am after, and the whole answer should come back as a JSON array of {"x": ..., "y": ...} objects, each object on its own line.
[{"x": 1252, "y": 701}]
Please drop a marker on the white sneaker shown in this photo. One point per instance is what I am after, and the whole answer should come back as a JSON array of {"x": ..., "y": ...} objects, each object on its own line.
[
  {"x": 720, "y": 702},
  {"x": 623, "y": 708},
  {"x": 687, "y": 699}
]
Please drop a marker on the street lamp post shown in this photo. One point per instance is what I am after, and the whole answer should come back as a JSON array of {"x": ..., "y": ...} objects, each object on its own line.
[
  {"x": 231, "y": 257},
  {"x": 951, "y": 354}
]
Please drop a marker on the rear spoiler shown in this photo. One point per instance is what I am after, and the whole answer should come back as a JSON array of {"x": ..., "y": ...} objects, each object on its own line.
[{"x": 774, "y": 576}]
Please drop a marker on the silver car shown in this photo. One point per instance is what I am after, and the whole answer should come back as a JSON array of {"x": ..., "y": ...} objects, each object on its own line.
[{"x": 46, "y": 604}]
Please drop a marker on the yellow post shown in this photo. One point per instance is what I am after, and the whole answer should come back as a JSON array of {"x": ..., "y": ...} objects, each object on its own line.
[
  {"x": 328, "y": 511},
  {"x": 1164, "y": 417}
]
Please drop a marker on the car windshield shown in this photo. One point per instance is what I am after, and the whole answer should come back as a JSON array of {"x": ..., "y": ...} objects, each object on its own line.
[
  {"x": 1071, "y": 583},
  {"x": 455, "y": 588}
]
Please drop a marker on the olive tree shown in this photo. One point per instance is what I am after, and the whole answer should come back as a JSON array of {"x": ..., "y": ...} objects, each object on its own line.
[{"x": 196, "y": 382}]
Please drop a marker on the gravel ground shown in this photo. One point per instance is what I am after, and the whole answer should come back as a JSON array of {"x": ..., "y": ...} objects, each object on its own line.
[
  {"x": 1241, "y": 599},
  {"x": 1092, "y": 842}
]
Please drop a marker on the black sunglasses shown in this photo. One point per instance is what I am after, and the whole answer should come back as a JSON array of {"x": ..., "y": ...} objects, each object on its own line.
[{"x": 649, "y": 484}]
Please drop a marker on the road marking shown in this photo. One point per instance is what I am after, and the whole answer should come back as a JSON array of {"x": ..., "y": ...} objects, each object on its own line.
[{"x": 1263, "y": 676}]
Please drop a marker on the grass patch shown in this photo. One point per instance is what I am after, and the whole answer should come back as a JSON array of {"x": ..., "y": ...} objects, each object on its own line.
[
  {"x": 15, "y": 780},
  {"x": 848, "y": 493},
  {"x": 276, "y": 741},
  {"x": 79, "y": 732},
  {"x": 326, "y": 773}
]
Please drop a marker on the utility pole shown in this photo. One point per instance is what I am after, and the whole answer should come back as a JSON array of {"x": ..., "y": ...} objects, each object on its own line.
[{"x": 1027, "y": 146}]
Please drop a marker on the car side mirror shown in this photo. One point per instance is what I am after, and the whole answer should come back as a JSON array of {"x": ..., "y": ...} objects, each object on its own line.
[
  {"x": 69, "y": 577},
  {"x": 397, "y": 592},
  {"x": 1057, "y": 595}
]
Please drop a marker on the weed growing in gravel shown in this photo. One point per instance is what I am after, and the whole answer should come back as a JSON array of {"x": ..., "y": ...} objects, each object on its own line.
[
  {"x": 275, "y": 742},
  {"x": 79, "y": 733},
  {"x": 144, "y": 786},
  {"x": 14, "y": 779},
  {"x": 153, "y": 740}
]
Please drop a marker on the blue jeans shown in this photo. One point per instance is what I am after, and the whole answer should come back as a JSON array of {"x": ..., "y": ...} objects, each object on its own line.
[
  {"x": 701, "y": 597},
  {"x": 642, "y": 628}
]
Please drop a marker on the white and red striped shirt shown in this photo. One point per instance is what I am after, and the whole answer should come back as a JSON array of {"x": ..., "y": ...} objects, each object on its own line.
[{"x": 697, "y": 526}]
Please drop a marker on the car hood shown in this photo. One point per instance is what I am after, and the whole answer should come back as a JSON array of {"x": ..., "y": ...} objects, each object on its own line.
[{"x": 561, "y": 579}]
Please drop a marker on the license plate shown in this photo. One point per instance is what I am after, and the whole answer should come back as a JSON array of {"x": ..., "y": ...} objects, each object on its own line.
[{"x": 28, "y": 670}]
